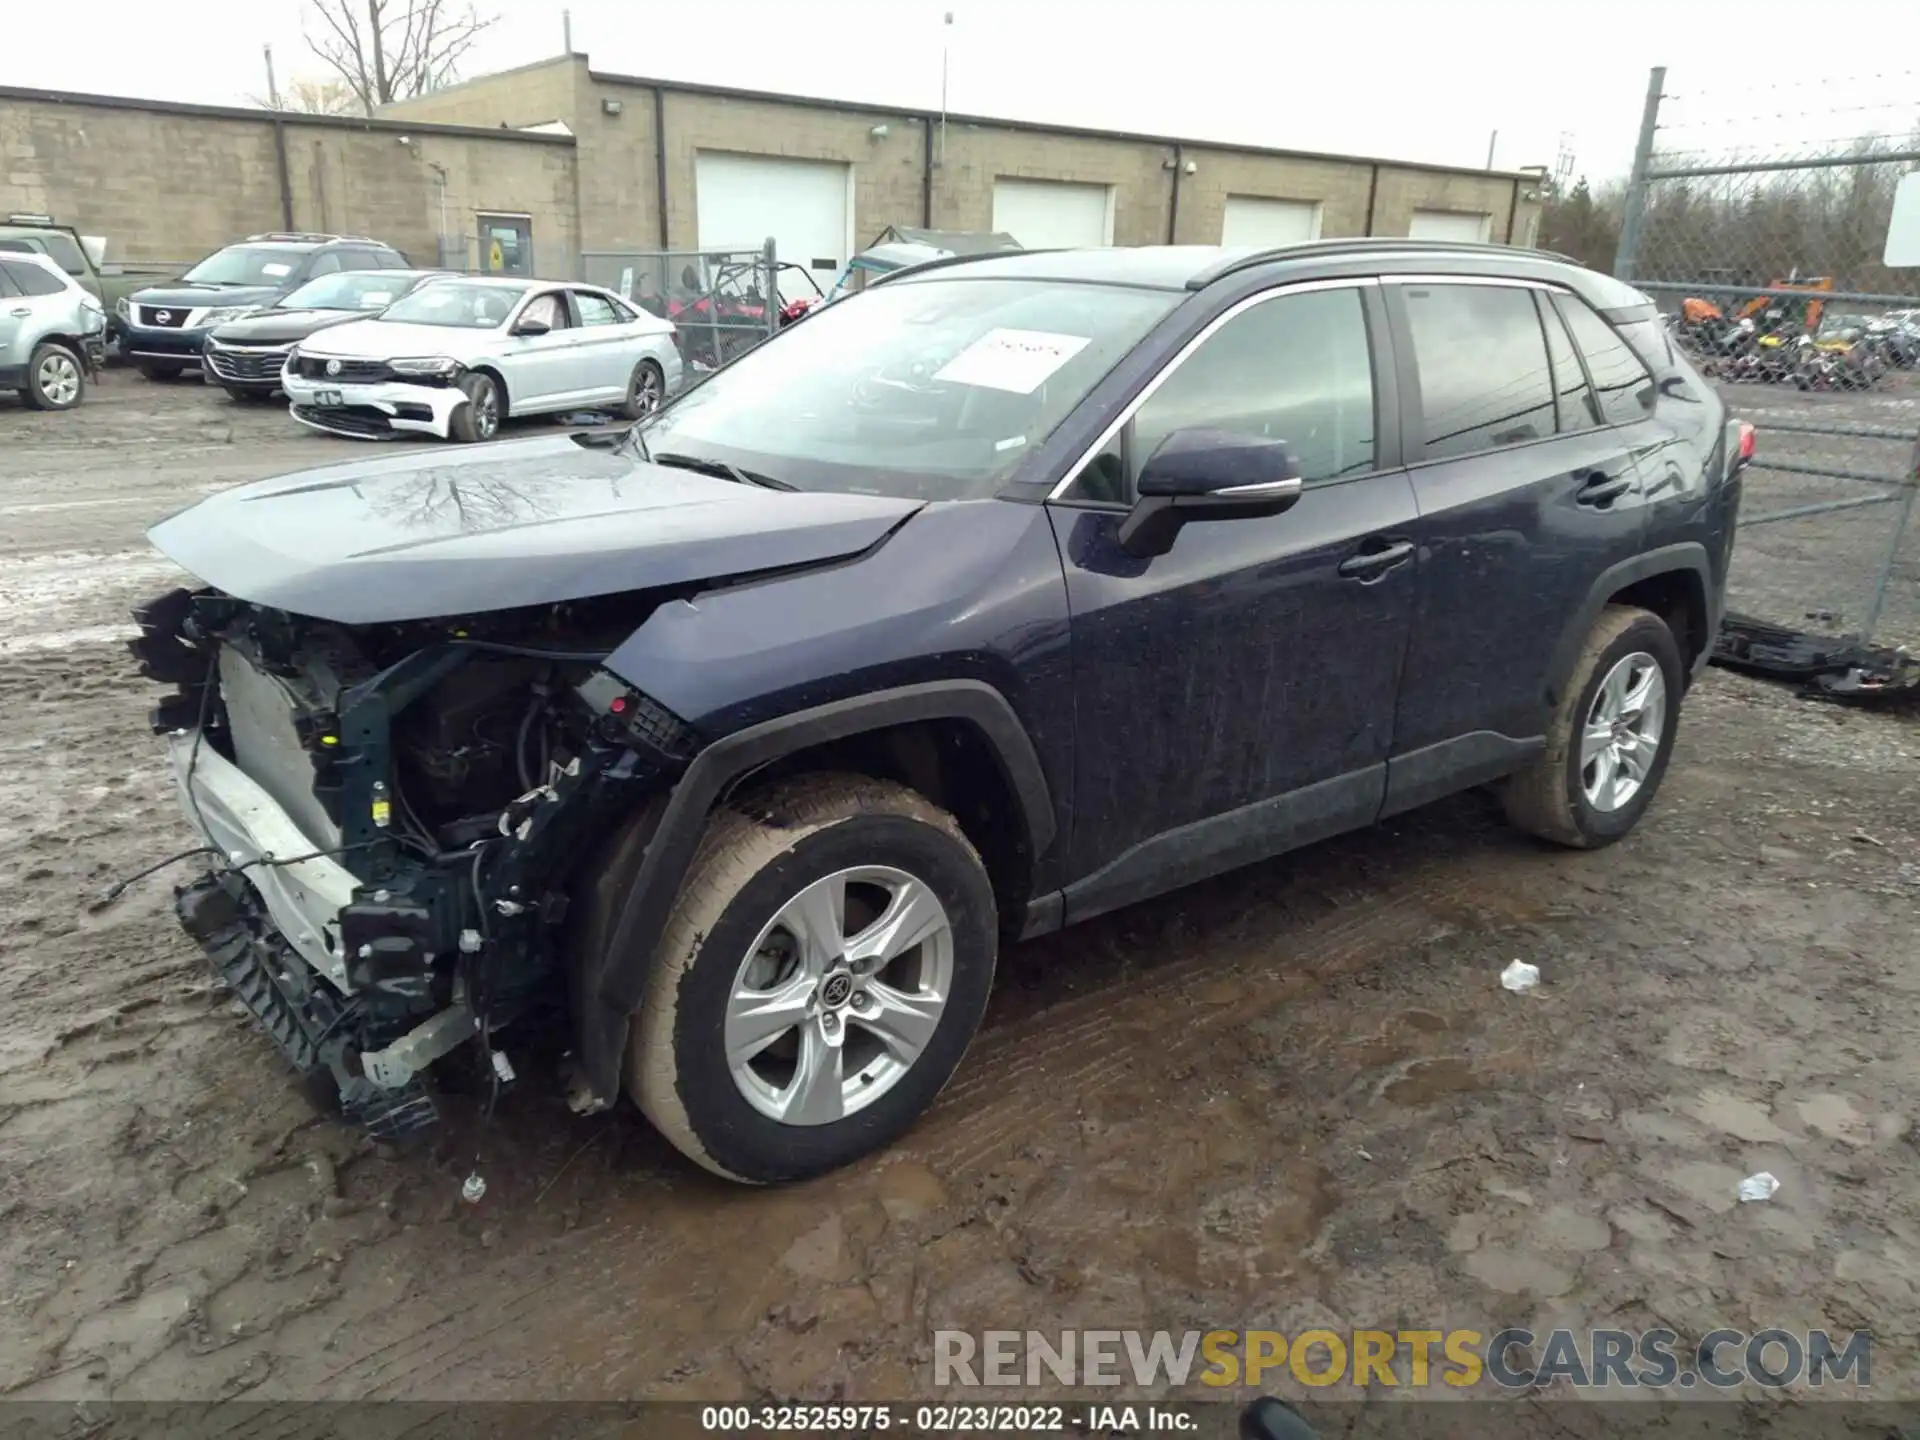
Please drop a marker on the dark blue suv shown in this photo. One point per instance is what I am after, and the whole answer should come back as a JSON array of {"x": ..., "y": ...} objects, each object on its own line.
[{"x": 1010, "y": 591}]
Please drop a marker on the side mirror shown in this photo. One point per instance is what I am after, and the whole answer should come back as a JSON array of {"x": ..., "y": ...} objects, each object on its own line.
[
  {"x": 1208, "y": 475},
  {"x": 532, "y": 327}
]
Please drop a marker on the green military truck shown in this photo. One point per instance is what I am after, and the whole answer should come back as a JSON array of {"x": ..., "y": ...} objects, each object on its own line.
[{"x": 62, "y": 244}]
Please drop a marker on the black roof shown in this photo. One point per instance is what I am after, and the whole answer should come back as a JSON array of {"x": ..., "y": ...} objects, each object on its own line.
[{"x": 1195, "y": 267}]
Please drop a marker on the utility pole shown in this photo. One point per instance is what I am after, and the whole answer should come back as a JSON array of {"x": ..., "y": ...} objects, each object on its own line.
[
  {"x": 946, "y": 27},
  {"x": 1492, "y": 140},
  {"x": 566, "y": 29},
  {"x": 273, "y": 90}
]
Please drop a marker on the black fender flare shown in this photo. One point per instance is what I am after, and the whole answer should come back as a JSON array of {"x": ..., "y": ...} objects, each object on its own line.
[
  {"x": 616, "y": 978},
  {"x": 1688, "y": 557}
]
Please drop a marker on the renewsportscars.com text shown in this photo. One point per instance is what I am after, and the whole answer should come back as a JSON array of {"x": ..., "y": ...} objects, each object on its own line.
[{"x": 1458, "y": 1359}]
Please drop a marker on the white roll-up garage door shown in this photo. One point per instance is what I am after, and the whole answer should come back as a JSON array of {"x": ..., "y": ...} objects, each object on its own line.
[
  {"x": 1450, "y": 225},
  {"x": 740, "y": 200},
  {"x": 1052, "y": 214},
  {"x": 1255, "y": 220}
]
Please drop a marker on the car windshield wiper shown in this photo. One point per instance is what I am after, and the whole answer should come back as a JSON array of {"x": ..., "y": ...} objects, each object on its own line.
[{"x": 704, "y": 466}]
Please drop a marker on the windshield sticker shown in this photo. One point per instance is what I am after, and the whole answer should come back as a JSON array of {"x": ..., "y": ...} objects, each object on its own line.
[
  {"x": 1016, "y": 360},
  {"x": 374, "y": 299},
  {"x": 276, "y": 269},
  {"x": 1012, "y": 442}
]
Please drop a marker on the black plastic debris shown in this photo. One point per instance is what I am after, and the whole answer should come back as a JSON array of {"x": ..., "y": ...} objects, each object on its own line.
[{"x": 1837, "y": 667}]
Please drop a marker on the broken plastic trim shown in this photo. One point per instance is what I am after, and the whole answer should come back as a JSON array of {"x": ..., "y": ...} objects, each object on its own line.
[{"x": 1837, "y": 667}]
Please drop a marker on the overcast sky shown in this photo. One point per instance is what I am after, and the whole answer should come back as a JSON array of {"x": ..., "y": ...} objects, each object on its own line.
[{"x": 1393, "y": 78}]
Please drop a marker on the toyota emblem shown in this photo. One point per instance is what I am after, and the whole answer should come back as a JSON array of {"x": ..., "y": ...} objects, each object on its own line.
[
  {"x": 165, "y": 317},
  {"x": 333, "y": 367}
]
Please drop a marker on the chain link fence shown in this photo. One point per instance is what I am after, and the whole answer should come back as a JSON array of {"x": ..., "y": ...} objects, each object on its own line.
[
  {"x": 725, "y": 302},
  {"x": 1757, "y": 215}
]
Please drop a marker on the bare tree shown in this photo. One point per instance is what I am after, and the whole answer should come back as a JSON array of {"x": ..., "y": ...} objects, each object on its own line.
[
  {"x": 386, "y": 50},
  {"x": 313, "y": 97}
]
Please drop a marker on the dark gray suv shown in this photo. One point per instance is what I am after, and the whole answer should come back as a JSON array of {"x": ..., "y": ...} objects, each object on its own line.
[
  {"x": 165, "y": 326},
  {"x": 1007, "y": 592}
]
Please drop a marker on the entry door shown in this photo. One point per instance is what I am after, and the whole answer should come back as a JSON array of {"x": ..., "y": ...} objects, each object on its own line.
[
  {"x": 1235, "y": 696},
  {"x": 506, "y": 245}
]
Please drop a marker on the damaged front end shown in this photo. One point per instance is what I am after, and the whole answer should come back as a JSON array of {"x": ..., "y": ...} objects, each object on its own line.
[{"x": 399, "y": 813}]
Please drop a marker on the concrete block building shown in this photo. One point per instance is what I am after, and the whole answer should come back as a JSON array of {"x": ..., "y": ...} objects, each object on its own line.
[{"x": 536, "y": 166}]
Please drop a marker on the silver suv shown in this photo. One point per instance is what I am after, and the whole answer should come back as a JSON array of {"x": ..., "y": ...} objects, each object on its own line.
[{"x": 52, "y": 332}]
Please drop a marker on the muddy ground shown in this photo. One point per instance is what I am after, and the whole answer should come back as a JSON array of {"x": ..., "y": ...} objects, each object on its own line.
[{"x": 1294, "y": 1095}]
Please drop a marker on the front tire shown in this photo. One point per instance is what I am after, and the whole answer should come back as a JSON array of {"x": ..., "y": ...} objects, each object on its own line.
[
  {"x": 1610, "y": 738},
  {"x": 479, "y": 418},
  {"x": 56, "y": 378},
  {"x": 825, "y": 967}
]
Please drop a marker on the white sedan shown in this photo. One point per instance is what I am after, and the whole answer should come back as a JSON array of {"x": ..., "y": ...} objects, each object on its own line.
[{"x": 457, "y": 356}]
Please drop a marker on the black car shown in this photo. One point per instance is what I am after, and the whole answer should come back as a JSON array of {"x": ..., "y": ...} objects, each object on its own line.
[
  {"x": 248, "y": 354},
  {"x": 1007, "y": 592},
  {"x": 163, "y": 327}
]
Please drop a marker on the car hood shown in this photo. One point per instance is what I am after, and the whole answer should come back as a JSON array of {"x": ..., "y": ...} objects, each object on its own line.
[
  {"x": 533, "y": 522},
  {"x": 281, "y": 327},
  {"x": 384, "y": 339},
  {"x": 182, "y": 296}
]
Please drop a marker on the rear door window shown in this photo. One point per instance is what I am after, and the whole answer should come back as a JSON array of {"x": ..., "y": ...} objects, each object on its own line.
[
  {"x": 594, "y": 309},
  {"x": 1574, "y": 405},
  {"x": 1624, "y": 386},
  {"x": 7, "y": 288},
  {"x": 30, "y": 279},
  {"x": 1484, "y": 376}
]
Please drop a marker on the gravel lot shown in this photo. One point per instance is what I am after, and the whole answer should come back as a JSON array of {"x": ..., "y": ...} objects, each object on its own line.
[{"x": 1293, "y": 1095}]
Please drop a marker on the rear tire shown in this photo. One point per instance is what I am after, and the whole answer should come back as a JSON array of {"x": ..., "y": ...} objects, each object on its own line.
[
  {"x": 646, "y": 390},
  {"x": 56, "y": 378},
  {"x": 1577, "y": 793},
  {"x": 158, "y": 370},
  {"x": 479, "y": 418},
  {"x": 714, "y": 1061}
]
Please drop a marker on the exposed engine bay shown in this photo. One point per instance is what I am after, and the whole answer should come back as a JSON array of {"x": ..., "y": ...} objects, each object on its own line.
[{"x": 443, "y": 781}]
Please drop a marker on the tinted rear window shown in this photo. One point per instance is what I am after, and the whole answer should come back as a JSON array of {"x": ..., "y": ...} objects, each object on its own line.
[
  {"x": 1484, "y": 380},
  {"x": 1624, "y": 386},
  {"x": 31, "y": 279}
]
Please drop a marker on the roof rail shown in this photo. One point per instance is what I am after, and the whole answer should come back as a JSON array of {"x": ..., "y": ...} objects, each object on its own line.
[
  {"x": 311, "y": 237},
  {"x": 1363, "y": 244},
  {"x": 31, "y": 220},
  {"x": 942, "y": 261}
]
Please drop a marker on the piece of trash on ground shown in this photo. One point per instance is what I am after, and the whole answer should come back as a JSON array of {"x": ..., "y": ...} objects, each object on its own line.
[
  {"x": 1520, "y": 977},
  {"x": 474, "y": 1189},
  {"x": 1758, "y": 1187}
]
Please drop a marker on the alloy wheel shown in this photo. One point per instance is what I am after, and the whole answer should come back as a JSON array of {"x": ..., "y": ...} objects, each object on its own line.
[
  {"x": 1622, "y": 735},
  {"x": 647, "y": 387},
  {"x": 840, "y": 994},
  {"x": 486, "y": 411},
  {"x": 59, "y": 379}
]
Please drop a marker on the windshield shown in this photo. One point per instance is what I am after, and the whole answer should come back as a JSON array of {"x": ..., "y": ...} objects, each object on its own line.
[
  {"x": 932, "y": 389},
  {"x": 460, "y": 303},
  {"x": 349, "y": 290},
  {"x": 247, "y": 265}
]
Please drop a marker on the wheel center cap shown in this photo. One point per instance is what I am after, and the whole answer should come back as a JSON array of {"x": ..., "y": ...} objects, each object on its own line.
[{"x": 836, "y": 990}]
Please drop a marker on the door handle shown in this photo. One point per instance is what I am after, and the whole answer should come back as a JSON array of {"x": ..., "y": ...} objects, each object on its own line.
[
  {"x": 22, "y": 313},
  {"x": 1375, "y": 558},
  {"x": 1603, "y": 489}
]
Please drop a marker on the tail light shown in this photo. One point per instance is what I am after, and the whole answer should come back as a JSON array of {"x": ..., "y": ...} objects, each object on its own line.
[{"x": 1746, "y": 440}]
